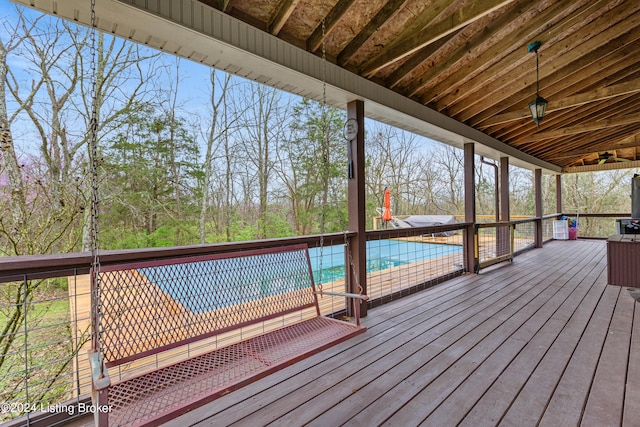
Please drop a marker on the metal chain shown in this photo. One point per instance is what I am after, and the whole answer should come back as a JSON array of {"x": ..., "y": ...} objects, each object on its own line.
[
  {"x": 93, "y": 158},
  {"x": 352, "y": 264},
  {"x": 322, "y": 115},
  {"x": 347, "y": 247}
]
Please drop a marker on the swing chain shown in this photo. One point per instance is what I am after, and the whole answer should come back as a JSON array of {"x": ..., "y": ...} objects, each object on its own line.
[
  {"x": 93, "y": 158},
  {"x": 93, "y": 149},
  {"x": 325, "y": 124},
  {"x": 352, "y": 266},
  {"x": 324, "y": 164}
]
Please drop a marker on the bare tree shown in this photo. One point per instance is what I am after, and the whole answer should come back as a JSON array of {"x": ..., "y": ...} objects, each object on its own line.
[
  {"x": 14, "y": 199},
  {"x": 41, "y": 209},
  {"x": 310, "y": 162},
  {"x": 449, "y": 161},
  {"x": 394, "y": 160},
  {"x": 218, "y": 148},
  {"x": 263, "y": 124}
]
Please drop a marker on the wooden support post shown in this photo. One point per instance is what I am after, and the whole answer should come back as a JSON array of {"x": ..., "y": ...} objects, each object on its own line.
[
  {"x": 469, "y": 207},
  {"x": 356, "y": 204},
  {"x": 558, "y": 193},
  {"x": 503, "y": 235},
  {"x": 537, "y": 184},
  {"x": 505, "y": 207}
]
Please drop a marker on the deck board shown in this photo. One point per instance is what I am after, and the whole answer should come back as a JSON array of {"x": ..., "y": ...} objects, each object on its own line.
[
  {"x": 483, "y": 342},
  {"x": 541, "y": 367},
  {"x": 540, "y": 323},
  {"x": 632, "y": 393},
  {"x": 606, "y": 399},
  {"x": 538, "y": 342},
  {"x": 438, "y": 351}
]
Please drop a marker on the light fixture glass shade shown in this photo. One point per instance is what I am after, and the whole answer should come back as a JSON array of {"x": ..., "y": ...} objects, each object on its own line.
[{"x": 538, "y": 107}]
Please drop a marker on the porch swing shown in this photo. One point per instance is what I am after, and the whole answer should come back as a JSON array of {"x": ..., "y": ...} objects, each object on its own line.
[{"x": 169, "y": 313}]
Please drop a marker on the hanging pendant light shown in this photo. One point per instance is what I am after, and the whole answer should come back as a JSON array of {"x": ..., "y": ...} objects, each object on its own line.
[{"x": 538, "y": 105}]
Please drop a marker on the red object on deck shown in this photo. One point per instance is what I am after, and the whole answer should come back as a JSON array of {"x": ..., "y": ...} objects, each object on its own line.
[
  {"x": 386, "y": 215},
  {"x": 573, "y": 233}
]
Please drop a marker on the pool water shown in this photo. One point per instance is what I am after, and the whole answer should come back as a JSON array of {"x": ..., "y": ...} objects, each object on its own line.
[{"x": 328, "y": 263}]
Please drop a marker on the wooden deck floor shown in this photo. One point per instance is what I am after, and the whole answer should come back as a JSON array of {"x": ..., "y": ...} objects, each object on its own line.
[{"x": 541, "y": 342}]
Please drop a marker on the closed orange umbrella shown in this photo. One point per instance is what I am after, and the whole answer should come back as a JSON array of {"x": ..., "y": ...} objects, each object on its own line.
[{"x": 386, "y": 215}]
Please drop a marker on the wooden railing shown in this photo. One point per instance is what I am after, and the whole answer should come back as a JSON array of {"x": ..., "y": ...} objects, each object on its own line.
[{"x": 596, "y": 225}]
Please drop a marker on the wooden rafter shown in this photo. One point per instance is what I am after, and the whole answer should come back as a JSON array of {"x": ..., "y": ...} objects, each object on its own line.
[
  {"x": 285, "y": 9},
  {"x": 417, "y": 36},
  {"x": 570, "y": 102},
  {"x": 330, "y": 21},
  {"x": 586, "y": 127},
  {"x": 574, "y": 120},
  {"x": 568, "y": 80},
  {"x": 469, "y": 61},
  {"x": 606, "y": 166},
  {"x": 404, "y": 71},
  {"x": 388, "y": 10},
  {"x": 468, "y": 103},
  {"x": 225, "y": 5},
  {"x": 495, "y": 60},
  {"x": 625, "y": 142},
  {"x": 494, "y": 36}
]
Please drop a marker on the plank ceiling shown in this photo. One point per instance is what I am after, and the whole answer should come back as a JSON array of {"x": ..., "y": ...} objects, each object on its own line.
[{"x": 469, "y": 60}]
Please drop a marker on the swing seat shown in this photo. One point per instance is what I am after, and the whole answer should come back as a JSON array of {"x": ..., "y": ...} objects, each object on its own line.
[{"x": 151, "y": 310}]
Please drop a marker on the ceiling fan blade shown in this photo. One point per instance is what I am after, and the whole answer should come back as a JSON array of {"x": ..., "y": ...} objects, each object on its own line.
[
  {"x": 602, "y": 161},
  {"x": 618, "y": 159}
]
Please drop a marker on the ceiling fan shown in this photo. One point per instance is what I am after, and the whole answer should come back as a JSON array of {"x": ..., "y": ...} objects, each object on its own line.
[{"x": 606, "y": 156}]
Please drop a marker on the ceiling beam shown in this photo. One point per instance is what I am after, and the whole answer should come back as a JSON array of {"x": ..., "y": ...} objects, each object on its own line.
[
  {"x": 404, "y": 71},
  {"x": 496, "y": 60},
  {"x": 586, "y": 127},
  {"x": 330, "y": 21},
  {"x": 571, "y": 141},
  {"x": 497, "y": 34},
  {"x": 632, "y": 141},
  {"x": 610, "y": 136},
  {"x": 416, "y": 36},
  {"x": 556, "y": 54},
  {"x": 569, "y": 102},
  {"x": 283, "y": 13},
  {"x": 388, "y": 10},
  {"x": 618, "y": 62},
  {"x": 224, "y": 5}
]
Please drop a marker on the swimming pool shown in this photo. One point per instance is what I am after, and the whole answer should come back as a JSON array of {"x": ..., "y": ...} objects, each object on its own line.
[
  {"x": 183, "y": 282},
  {"x": 381, "y": 254}
]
